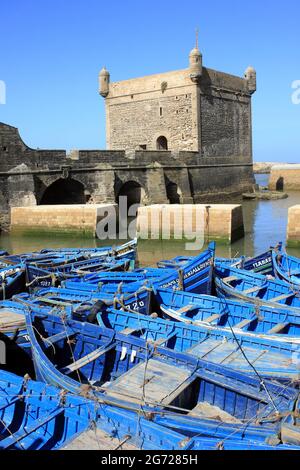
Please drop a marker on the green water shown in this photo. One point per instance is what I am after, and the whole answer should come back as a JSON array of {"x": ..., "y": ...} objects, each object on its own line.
[{"x": 265, "y": 225}]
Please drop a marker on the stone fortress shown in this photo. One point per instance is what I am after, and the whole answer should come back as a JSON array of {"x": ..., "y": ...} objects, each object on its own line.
[{"x": 175, "y": 137}]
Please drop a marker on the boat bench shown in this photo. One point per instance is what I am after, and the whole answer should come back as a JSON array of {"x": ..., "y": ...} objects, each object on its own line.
[
  {"x": 277, "y": 328},
  {"x": 212, "y": 318},
  {"x": 282, "y": 297},
  {"x": 253, "y": 289},
  {"x": 83, "y": 361},
  {"x": 244, "y": 323}
]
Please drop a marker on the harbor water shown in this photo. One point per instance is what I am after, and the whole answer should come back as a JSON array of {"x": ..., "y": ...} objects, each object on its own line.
[{"x": 265, "y": 225}]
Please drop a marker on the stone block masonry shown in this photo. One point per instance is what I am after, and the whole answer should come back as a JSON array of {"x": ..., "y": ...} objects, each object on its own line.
[
  {"x": 31, "y": 177},
  {"x": 285, "y": 177},
  {"x": 80, "y": 220},
  {"x": 221, "y": 222},
  {"x": 293, "y": 229}
]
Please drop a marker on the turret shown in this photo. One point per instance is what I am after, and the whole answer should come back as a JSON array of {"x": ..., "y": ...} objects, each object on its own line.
[
  {"x": 195, "y": 58},
  {"x": 250, "y": 76},
  {"x": 104, "y": 82}
]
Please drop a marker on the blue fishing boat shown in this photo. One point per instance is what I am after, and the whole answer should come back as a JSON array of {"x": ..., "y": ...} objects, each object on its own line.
[
  {"x": 36, "y": 416},
  {"x": 266, "y": 356},
  {"x": 128, "y": 281},
  {"x": 286, "y": 267},
  {"x": 178, "y": 390},
  {"x": 248, "y": 286},
  {"x": 193, "y": 276},
  {"x": 84, "y": 306},
  {"x": 228, "y": 314},
  {"x": 127, "y": 249},
  {"x": 12, "y": 281},
  {"x": 3, "y": 253},
  {"x": 12, "y": 322},
  {"x": 260, "y": 264},
  {"x": 42, "y": 276}
]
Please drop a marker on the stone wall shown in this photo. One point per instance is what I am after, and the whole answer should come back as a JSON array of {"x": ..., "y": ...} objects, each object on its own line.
[
  {"x": 74, "y": 219},
  {"x": 225, "y": 127},
  {"x": 285, "y": 177},
  {"x": 221, "y": 222},
  {"x": 293, "y": 229},
  {"x": 211, "y": 116},
  {"x": 164, "y": 176}
]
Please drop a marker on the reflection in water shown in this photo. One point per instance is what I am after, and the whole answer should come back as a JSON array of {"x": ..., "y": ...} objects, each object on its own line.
[{"x": 265, "y": 225}]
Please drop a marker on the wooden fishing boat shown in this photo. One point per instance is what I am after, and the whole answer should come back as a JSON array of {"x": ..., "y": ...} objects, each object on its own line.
[
  {"x": 116, "y": 281},
  {"x": 252, "y": 287},
  {"x": 12, "y": 281},
  {"x": 125, "y": 249},
  {"x": 193, "y": 276},
  {"x": 286, "y": 267},
  {"x": 178, "y": 390},
  {"x": 229, "y": 314},
  {"x": 40, "y": 276},
  {"x": 84, "y": 306},
  {"x": 269, "y": 358},
  {"x": 36, "y": 416},
  {"x": 12, "y": 322},
  {"x": 261, "y": 264}
]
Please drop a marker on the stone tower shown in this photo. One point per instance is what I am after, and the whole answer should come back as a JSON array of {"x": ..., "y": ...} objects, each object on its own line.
[
  {"x": 194, "y": 109},
  {"x": 104, "y": 82}
]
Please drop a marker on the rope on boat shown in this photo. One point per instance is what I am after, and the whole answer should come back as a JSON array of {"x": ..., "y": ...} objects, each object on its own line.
[{"x": 52, "y": 276}]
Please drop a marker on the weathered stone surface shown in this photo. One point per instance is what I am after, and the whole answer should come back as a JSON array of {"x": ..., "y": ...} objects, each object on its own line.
[
  {"x": 293, "y": 229},
  {"x": 68, "y": 219},
  {"x": 98, "y": 176},
  {"x": 221, "y": 222},
  {"x": 285, "y": 177},
  {"x": 211, "y": 115}
]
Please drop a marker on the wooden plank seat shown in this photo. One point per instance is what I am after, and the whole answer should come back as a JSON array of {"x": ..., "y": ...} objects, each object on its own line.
[
  {"x": 244, "y": 323},
  {"x": 153, "y": 381},
  {"x": 83, "y": 361},
  {"x": 186, "y": 308},
  {"x": 129, "y": 331},
  {"x": 212, "y": 318},
  {"x": 253, "y": 289},
  {"x": 282, "y": 297},
  {"x": 10, "y": 319},
  {"x": 230, "y": 279},
  {"x": 277, "y": 328},
  {"x": 65, "y": 334},
  {"x": 164, "y": 340}
]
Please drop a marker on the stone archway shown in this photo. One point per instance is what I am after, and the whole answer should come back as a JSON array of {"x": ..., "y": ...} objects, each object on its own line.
[
  {"x": 280, "y": 184},
  {"x": 133, "y": 191},
  {"x": 161, "y": 143},
  {"x": 64, "y": 191}
]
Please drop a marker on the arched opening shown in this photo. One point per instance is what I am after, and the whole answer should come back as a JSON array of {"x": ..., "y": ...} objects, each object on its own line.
[
  {"x": 173, "y": 193},
  {"x": 64, "y": 191},
  {"x": 280, "y": 184},
  {"x": 162, "y": 143},
  {"x": 133, "y": 191}
]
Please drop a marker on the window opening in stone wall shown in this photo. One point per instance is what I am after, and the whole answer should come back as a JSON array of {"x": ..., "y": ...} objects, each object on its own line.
[{"x": 162, "y": 143}]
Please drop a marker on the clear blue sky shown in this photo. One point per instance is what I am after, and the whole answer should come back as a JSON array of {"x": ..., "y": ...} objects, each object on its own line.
[{"x": 52, "y": 51}]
